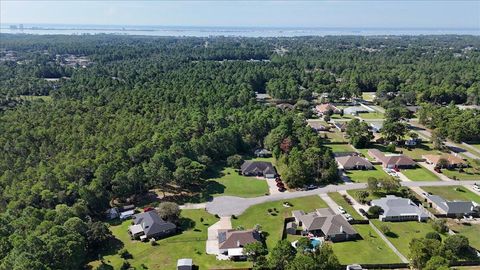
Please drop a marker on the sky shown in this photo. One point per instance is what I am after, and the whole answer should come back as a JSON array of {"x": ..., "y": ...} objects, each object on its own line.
[{"x": 345, "y": 14}]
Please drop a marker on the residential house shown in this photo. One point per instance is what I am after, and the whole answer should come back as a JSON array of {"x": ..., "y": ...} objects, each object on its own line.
[
  {"x": 258, "y": 168},
  {"x": 411, "y": 142},
  {"x": 185, "y": 264},
  {"x": 452, "y": 160},
  {"x": 322, "y": 109},
  {"x": 324, "y": 222},
  {"x": 399, "y": 209},
  {"x": 291, "y": 228},
  {"x": 413, "y": 109},
  {"x": 112, "y": 213},
  {"x": 127, "y": 214},
  {"x": 376, "y": 126},
  {"x": 149, "y": 224},
  {"x": 318, "y": 126},
  {"x": 262, "y": 153},
  {"x": 392, "y": 161},
  {"x": 285, "y": 107},
  {"x": 355, "y": 110},
  {"x": 454, "y": 208},
  {"x": 341, "y": 126},
  {"x": 232, "y": 242},
  {"x": 353, "y": 163}
]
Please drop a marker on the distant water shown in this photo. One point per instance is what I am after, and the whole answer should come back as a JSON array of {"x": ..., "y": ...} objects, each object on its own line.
[{"x": 51, "y": 29}]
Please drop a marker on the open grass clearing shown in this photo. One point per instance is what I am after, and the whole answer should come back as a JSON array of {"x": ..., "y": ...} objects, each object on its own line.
[
  {"x": 189, "y": 244},
  {"x": 401, "y": 233},
  {"x": 365, "y": 250},
  {"x": 361, "y": 176},
  {"x": 471, "y": 231},
  {"x": 334, "y": 136},
  {"x": 231, "y": 183},
  {"x": 272, "y": 224},
  {"x": 419, "y": 150},
  {"x": 454, "y": 193},
  {"x": 467, "y": 174},
  {"x": 368, "y": 96},
  {"x": 344, "y": 117},
  {"x": 340, "y": 147},
  {"x": 420, "y": 174},
  {"x": 338, "y": 198},
  {"x": 371, "y": 115}
]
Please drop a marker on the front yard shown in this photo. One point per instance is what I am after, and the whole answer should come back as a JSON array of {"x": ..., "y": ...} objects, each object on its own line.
[
  {"x": 371, "y": 115},
  {"x": 231, "y": 183},
  {"x": 467, "y": 174},
  {"x": 365, "y": 250},
  {"x": 272, "y": 223},
  {"x": 189, "y": 244},
  {"x": 338, "y": 198},
  {"x": 361, "y": 176},
  {"x": 420, "y": 174},
  {"x": 454, "y": 193},
  {"x": 401, "y": 233},
  {"x": 417, "y": 151}
]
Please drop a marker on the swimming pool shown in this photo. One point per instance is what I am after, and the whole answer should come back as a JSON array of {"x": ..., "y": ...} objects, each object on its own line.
[{"x": 315, "y": 242}]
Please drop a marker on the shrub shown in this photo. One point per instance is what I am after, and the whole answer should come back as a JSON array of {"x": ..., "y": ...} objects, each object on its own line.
[
  {"x": 440, "y": 226},
  {"x": 390, "y": 148},
  {"x": 433, "y": 235},
  {"x": 125, "y": 265},
  {"x": 385, "y": 229},
  {"x": 125, "y": 254},
  {"x": 235, "y": 161},
  {"x": 375, "y": 210}
]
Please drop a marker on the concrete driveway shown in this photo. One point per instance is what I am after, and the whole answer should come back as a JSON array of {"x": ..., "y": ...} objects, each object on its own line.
[{"x": 212, "y": 241}]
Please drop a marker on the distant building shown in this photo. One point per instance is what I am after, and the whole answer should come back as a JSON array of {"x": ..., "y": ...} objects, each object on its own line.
[
  {"x": 112, "y": 213},
  {"x": 399, "y": 209},
  {"x": 148, "y": 225},
  {"x": 376, "y": 126},
  {"x": 262, "y": 153},
  {"x": 232, "y": 242},
  {"x": 318, "y": 125},
  {"x": 452, "y": 160},
  {"x": 353, "y": 163},
  {"x": 285, "y": 106},
  {"x": 355, "y": 110},
  {"x": 322, "y": 109},
  {"x": 341, "y": 126}
]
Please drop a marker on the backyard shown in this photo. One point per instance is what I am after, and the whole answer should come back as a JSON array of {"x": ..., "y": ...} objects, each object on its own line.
[
  {"x": 231, "y": 183},
  {"x": 371, "y": 115},
  {"x": 401, "y": 233},
  {"x": 366, "y": 250},
  {"x": 272, "y": 223},
  {"x": 471, "y": 231},
  {"x": 340, "y": 147},
  {"x": 189, "y": 244},
  {"x": 454, "y": 193},
  {"x": 420, "y": 174},
  {"x": 467, "y": 174},
  {"x": 362, "y": 176},
  {"x": 419, "y": 150}
]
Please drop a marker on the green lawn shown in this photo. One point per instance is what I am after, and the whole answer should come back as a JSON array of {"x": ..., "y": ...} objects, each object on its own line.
[
  {"x": 420, "y": 174},
  {"x": 371, "y": 115},
  {"x": 272, "y": 224},
  {"x": 233, "y": 184},
  {"x": 338, "y": 198},
  {"x": 340, "y": 147},
  {"x": 403, "y": 232},
  {"x": 189, "y": 244},
  {"x": 371, "y": 196},
  {"x": 368, "y": 96},
  {"x": 338, "y": 117},
  {"x": 366, "y": 250},
  {"x": 467, "y": 174},
  {"x": 362, "y": 176},
  {"x": 334, "y": 136},
  {"x": 419, "y": 150},
  {"x": 453, "y": 193},
  {"x": 471, "y": 231}
]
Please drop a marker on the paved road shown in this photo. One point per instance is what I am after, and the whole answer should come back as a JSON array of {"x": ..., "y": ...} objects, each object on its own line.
[{"x": 230, "y": 205}]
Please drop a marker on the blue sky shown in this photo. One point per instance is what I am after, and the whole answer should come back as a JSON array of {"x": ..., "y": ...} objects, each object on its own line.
[{"x": 358, "y": 14}]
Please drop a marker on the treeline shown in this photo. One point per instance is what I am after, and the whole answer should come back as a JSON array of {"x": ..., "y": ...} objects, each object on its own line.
[{"x": 451, "y": 122}]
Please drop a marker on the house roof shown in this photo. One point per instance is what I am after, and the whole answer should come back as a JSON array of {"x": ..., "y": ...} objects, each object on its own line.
[
  {"x": 452, "y": 160},
  {"x": 413, "y": 109},
  {"x": 393, "y": 160},
  {"x": 323, "y": 108},
  {"x": 228, "y": 239},
  {"x": 297, "y": 214},
  {"x": 327, "y": 221},
  {"x": 396, "y": 206},
  {"x": 452, "y": 207},
  {"x": 184, "y": 262},
  {"x": 355, "y": 109},
  {"x": 317, "y": 125},
  {"x": 152, "y": 223},
  {"x": 352, "y": 161},
  {"x": 253, "y": 167}
]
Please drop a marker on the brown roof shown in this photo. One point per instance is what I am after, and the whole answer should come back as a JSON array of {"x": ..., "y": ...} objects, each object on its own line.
[
  {"x": 452, "y": 160},
  {"x": 234, "y": 239},
  {"x": 353, "y": 161},
  {"x": 323, "y": 108},
  {"x": 328, "y": 222},
  {"x": 395, "y": 160}
]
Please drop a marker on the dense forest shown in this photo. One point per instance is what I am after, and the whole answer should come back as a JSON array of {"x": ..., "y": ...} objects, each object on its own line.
[{"x": 128, "y": 114}]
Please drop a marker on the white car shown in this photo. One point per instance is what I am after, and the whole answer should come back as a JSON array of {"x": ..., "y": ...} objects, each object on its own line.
[
  {"x": 476, "y": 187},
  {"x": 341, "y": 210}
]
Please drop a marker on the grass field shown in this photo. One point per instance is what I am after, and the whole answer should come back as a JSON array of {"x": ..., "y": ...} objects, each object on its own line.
[
  {"x": 233, "y": 184},
  {"x": 403, "y": 232},
  {"x": 468, "y": 174},
  {"x": 272, "y": 224},
  {"x": 189, "y": 244},
  {"x": 371, "y": 196},
  {"x": 338, "y": 117},
  {"x": 419, "y": 150},
  {"x": 366, "y": 250},
  {"x": 340, "y": 147},
  {"x": 362, "y": 176},
  {"x": 338, "y": 198},
  {"x": 453, "y": 193},
  {"x": 334, "y": 136},
  {"x": 471, "y": 231},
  {"x": 420, "y": 174},
  {"x": 371, "y": 115},
  {"x": 368, "y": 96}
]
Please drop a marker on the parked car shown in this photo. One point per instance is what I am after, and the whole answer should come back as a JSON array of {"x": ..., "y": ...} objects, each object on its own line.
[
  {"x": 438, "y": 170},
  {"x": 341, "y": 210},
  {"x": 310, "y": 187},
  {"x": 363, "y": 212},
  {"x": 281, "y": 189},
  {"x": 476, "y": 187},
  {"x": 147, "y": 209},
  {"x": 280, "y": 184}
]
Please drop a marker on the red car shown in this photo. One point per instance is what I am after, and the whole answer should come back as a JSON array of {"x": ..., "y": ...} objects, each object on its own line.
[
  {"x": 147, "y": 209},
  {"x": 280, "y": 185}
]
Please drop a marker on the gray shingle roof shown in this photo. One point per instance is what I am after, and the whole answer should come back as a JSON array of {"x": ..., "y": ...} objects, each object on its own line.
[
  {"x": 152, "y": 223},
  {"x": 256, "y": 167},
  {"x": 452, "y": 207},
  {"x": 327, "y": 221},
  {"x": 396, "y": 206}
]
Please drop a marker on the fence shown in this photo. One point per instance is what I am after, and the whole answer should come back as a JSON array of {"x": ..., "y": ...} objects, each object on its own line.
[
  {"x": 359, "y": 221},
  {"x": 284, "y": 230}
]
